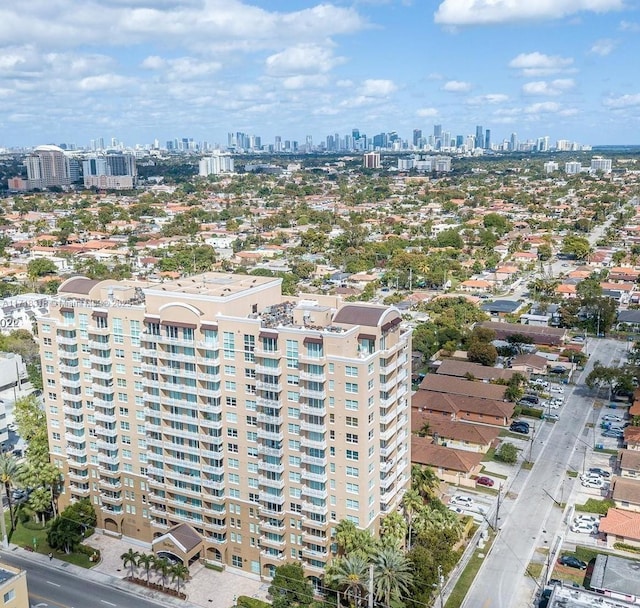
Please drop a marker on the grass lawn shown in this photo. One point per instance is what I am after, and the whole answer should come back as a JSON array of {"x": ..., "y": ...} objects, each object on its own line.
[
  {"x": 527, "y": 465},
  {"x": 468, "y": 575},
  {"x": 491, "y": 452},
  {"x": 24, "y": 536},
  {"x": 534, "y": 570},
  {"x": 572, "y": 474},
  {"x": 594, "y": 505}
]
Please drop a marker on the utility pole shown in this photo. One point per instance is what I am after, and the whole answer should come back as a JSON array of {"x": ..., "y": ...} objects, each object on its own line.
[
  {"x": 440, "y": 584},
  {"x": 498, "y": 506},
  {"x": 533, "y": 436},
  {"x": 370, "y": 598},
  {"x": 3, "y": 525}
]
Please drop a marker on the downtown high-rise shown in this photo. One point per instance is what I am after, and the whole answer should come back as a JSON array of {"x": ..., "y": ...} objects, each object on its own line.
[{"x": 257, "y": 420}]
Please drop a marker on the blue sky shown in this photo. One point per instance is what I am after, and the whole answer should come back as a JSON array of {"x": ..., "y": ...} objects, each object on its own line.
[{"x": 75, "y": 70}]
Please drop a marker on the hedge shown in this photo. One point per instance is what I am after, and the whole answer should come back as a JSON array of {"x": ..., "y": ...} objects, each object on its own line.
[{"x": 251, "y": 602}]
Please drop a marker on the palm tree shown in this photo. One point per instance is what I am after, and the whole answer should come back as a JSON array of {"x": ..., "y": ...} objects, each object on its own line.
[
  {"x": 145, "y": 560},
  {"x": 10, "y": 469},
  {"x": 392, "y": 577},
  {"x": 424, "y": 481},
  {"x": 411, "y": 502},
  {"x": 162, "y": 566},
  {"x": 179, "y": 573},
  {"x": 350, "y": 574},
  {"x": 130, "y": 558}
]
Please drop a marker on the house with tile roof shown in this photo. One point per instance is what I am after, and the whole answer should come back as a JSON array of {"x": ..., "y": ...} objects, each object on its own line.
[
  {"x": 620, "y": 526},
  {"x": 632, "y": 438},
  {"x": 454, "y": 466},
  {"x": 464, "y": 408},
  {"x": 626, "y": 493},
  {"x": 438, "y": 383},
  {"x": 629, "y": 463}
]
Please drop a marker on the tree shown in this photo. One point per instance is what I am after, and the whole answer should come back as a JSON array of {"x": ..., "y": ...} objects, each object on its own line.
[
  {"x": 483, "y": 353},
  {"x": 393, "y": 530},
  {"x": 392, "y": 576},
  {"x": 424, "y": 481},
  {"x": 411, "y": 502},
  {"x": 146, "y": 560},
  {"x": 130, "y": 559},
  {"x": 162, "y": 566},
  {"x": 351, "y": 539},
  {"x": 577, "y": 246},
  {"x": 64, "y": 535},
  {"x": 179, "y": 573},
  {"x": 40, "y": 267},
  {"x": 10, "y": 471},
  {"x": 507, "y": 453},
  {"x": 290, "y": 587},
  {"x": 39, "y": 502},
  {"x": 350, "y": 575}
]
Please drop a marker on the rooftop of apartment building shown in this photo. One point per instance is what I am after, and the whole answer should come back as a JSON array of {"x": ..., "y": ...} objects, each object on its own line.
[{"x": 7, "y": 573}]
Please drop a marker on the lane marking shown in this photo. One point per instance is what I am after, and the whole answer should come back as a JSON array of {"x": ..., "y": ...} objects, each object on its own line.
[
  {"x": 54, "y": 584},
  {"x": 108, "y": 603}
]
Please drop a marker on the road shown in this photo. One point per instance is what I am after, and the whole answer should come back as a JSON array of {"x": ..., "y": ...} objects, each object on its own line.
[
  {"x": 526, "y": 510},
  {"x": 51, "y": 587}
]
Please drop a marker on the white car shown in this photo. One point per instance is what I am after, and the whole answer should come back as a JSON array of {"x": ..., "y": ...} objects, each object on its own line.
[
  {"x": 557, "y": 389},
  {"x": 462, "y": 501},
  {"x": 611, "y": 418},
  {"x": 584, "y": 528},
  {"x": 586, "y": 519},
  {"x": 594, "y": 483}
]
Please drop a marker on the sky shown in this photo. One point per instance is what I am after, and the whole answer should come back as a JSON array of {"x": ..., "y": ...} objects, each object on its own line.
[{"x": 137, "y": 70}]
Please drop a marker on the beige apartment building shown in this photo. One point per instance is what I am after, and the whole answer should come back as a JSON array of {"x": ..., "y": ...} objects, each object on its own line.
[
  {"x": 13, "y": 587},
  {"x": 214, "y": 418}
]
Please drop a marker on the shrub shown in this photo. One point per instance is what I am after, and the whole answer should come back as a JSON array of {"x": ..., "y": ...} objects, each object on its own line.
[
  {"x": 251, "y": 602},
  {"x": 626, "y": 547},
  {"x": 216, "y": 567},
  {"x": 507, "y": 453},
  {"x": 532, "y": 412},
  {"x": 594, "y": 505}
]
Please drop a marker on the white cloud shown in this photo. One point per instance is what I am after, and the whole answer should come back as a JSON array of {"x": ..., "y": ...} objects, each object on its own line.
[
  {"x": 603, "y": 47},
  {"x": 103, "y": 82},
  {"x": 153, "y": 62},
  {"x": 554, "y": 87},
  {"x": 456, "y": 86},
  {"x": 483, "y": 12},
  {"x": 629, "y": 26},
  {"x": 378, "y": 88},
  {"x": 490, "y": 98},
  {"x": 624, "y": 101},
  {"x": 305, "y": 82},
  {"x": 539, "y": 64},
  {"x": 543, "y": 107},
  {"x": 344, "y": 84},
  {"x": 302, "y": 59},
  {"x": 427, "y": 112}
]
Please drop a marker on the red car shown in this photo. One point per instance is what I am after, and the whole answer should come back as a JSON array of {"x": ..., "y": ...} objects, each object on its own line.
[{"x": 485, "y": 481}]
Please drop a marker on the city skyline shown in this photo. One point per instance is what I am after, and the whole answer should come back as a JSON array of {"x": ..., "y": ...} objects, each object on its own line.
[{"x": 560, "y": 69}]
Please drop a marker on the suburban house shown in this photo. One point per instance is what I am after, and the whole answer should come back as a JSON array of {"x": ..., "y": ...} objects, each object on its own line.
[
  {"x": 453, "y": 433},
  {"x": 466, "y": 369},
  {"x": 549, "y": 336},
  {"x": 529, "y": 363},
  {"x": 464, "y": 408},
  {"x": 453, "y": 466},
  {"x": 621, "y": 526},
  {"x": 626, "y": 494},
  {"x": 475, "y": 285},
  {"x": 629, "y": 463},
  {"x": 632, "y": 438},
  {"x": 438, "y": 383}
]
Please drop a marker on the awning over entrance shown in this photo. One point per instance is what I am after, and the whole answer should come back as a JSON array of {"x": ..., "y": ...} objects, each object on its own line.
[{"x": 182, "y": 541}]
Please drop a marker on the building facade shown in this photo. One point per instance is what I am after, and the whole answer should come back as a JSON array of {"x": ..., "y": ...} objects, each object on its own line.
[
  {"x": 13, "y": 587},
  {"x": 47, "y": 166},
  {"x": 260, "y": 420}
]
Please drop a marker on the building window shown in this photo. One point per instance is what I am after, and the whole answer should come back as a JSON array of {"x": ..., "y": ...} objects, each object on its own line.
[
  {"x": 351, "y": 370},
  {"x": 9, "y": 595},
  {"x": 352, "y": 455},
  {"x": 236, "y": 561}
]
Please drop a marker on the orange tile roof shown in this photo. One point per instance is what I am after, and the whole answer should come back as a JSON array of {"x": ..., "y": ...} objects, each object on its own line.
[{"x": 621, "y": 523}]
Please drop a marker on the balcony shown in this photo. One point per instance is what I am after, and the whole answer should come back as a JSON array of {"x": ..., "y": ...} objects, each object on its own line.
[
  {"x": 313, "y": 360},
  {"x": 111, "y": 500},
  {"x": 105, "y": 459},
  {"x": 101, "y": 375},
  {"x": 386, "y": 465},
  {"x": 73, "y": 424},
  {"x": 68, "y": 355},
  {"x": 307, "y": 476},
  {"x": 79, "y": 490},
  {"x": 308, "y": 377},
  {"x": 266, "y": 451},
  {"x": 210, "y": 408},
  {"x": 268, "y": 466},
  {"x": 389, "y": 368},
  {"x": 402, "y": 391},
  {"x": 104, "y": 404},
  {"x": 175, "y": 386},
  {"x": 270, "y": 435},
  {"x": 80, "y": 453},
  {"x": 103, "y": 390},
  {"x": 99, "y": 331},
  {"x": 269, "y": 371},
  {"x": 158, "y": 524},
  {"x": 388, "y": 433},
  {"x": 388, "y": 449},
  {"x": 208, "y": 377},
  {"x": 212, "y": 470},
  {"x": 108, "y": 485},
  {"x": 272, "y": 354},
  {"x": 388, "y": 481},
  {"x": 206, "y": 392},
  {"x": 268, "y": 419},
  {"x": 268, "y": 403},
  {"x": 312, "y": 411},
  {"x": 312, "y": 394},
  {"x": 305, "y": 442},
  {"x": 272, "y": 483},
  {"x": 72, "y": 411},
  {"x": 210, "y": 424},
  {"x": 390, "y": 417},
  {"x": 311, "y": 508},
  {"x": 103, "y": 431},
  {"x": 271, "y": 556},
  {"x": 213, "y": 485},
  {"x": 312, "y": 427},
  {"x": 66, "y": 341},
  {"x": 280, "y": 527},
  {"x": 312, "y": 553},
  {"x": 269, "y": 386},
  {"x": 78, "y": 477},
  {"x": 179, "y": 418},
  {"x": 68, "y": 369},
  {"x": 192, "y": 519},
  {"x": 272, "y": 498},
  {"x": 73, "y": 397},
  {"x": 74, "y": 438},
  {"x": 306, "y": 459},
  {"x": 173, "y": 371},
  {"x": 68, "y": 383},
  {"x": 99, "y": 345},
  {"x": 151, "y": 398},
  {"x": 149, "y": 352},
  {"x": 108, "y": 418},
  {"x": 78, "y": 464},
  {"x": 322, "y": 494},
  {"x": 278, "y": 544},
  {"x": 388, "y": 385},
  {"x": 173, "y": 340},
  {"x": 112, "y": 510},
  {"x": 106, "y": 445}
]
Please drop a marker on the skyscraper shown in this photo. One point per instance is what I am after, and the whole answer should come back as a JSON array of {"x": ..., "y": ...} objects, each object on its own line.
[
  {"x": 417, "y": 136},
  {"x": 487, "y": 139},
  {"x": 47, "y": 166},
  {"x": 215, "y": 403},
  {"x": 479, "y": 137}
]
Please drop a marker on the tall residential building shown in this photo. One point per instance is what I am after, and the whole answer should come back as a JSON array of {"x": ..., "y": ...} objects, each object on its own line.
[
  {"x": 417, "y": 137},
  {"x": 215, "y": 408},
  {"x": 47, "y": 166},
  {"x": 513, "y": 142},
  {"x": 113, "y": 170},
  {"x": 479, "y": 136},
  {"x": 487, "y": 139},
  {"x": 216, "y": 164},
  {"x": 600, "y": 164},
  {"x": 371, "y": 160},
  {"x": 573, "y": 167}
]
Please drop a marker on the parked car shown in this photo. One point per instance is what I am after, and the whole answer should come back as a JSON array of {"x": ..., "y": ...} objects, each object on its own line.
[
  {"x": 584, "y": 528},
  {"x": 523, "y": 430},
  {"x": 551, "y": 417},
  {"x": 611, "y": 418},
  {"x": 18, "y": 494},
  {"x": 485, "y": 481},
  {"x": 572, "y": 562},
  {"x": 523, "y": 423},
  {"x": 557, "y": 389},
  {"x": 598, "y": 471},
  {"x": 588, "y": 519},
  {"x": 615, "y": 433},
  {"x": 595, "y": 483},
  {"x": 462, "y": 501},
  {"x": 530, "y": 399}
]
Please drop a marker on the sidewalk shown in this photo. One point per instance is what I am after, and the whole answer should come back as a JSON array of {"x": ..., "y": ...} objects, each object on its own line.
[{"x": 205, "y": 588}]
